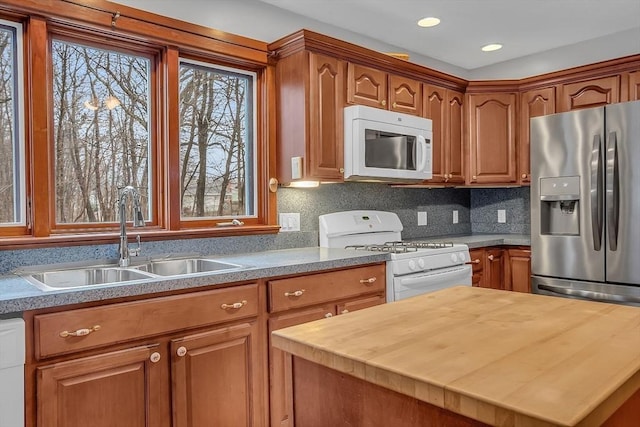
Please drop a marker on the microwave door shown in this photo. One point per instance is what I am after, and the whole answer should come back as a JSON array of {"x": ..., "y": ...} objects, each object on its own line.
[{"x": 389, "y": 152}]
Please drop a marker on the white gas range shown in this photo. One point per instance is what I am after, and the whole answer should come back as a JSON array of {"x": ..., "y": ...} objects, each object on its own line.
[{"x": 415, "y": 267}]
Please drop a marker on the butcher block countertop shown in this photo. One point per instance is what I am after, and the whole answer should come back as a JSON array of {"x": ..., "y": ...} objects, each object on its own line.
[{"x": 502, "y": 358}]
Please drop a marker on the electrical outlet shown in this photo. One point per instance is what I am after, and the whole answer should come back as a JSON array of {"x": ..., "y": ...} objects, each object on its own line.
[
  {"x": 422, "y": 218},
  {"x": 290, "y": 221},
  {"x": 502, "y": 216},
  {"x": 455, "y": 217}
]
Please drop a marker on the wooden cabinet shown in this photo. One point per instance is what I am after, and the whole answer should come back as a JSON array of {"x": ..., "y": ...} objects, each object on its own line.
[
  {"x": 518, "y": 269},
  {"x": 634, "y": 86},
  {"x": 310, "y": 102},
  {"x": 533, "y": 103},
  {"x": 589, "y": 93},
  {"x": 133, "y": 364},
  {"x": 376, "y": 88},
  {"x": 492, "y": 138},
  {"x": 301, "y": 299},
  {"x": 477, "y": 266},
  {"x": 494, "y": 276},
  {"x": 445, "y": 109}
]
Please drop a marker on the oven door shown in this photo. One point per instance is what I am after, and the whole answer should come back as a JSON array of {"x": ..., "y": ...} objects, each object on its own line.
[{"x": 429, "y": 281}]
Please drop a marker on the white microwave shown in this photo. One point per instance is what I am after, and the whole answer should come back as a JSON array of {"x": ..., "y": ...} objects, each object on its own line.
[{"x": 381, "y": 145}]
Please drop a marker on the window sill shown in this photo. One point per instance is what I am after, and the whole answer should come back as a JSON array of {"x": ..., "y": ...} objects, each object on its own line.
[{"x": 30, "y": 242}]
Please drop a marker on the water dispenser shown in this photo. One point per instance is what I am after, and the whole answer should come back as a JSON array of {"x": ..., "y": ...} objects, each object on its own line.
[{"x": 560, "y": 205}]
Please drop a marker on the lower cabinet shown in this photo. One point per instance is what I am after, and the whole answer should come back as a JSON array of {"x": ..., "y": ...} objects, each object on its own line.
[
  {"x": 302, "y": 299},
  {"x": 214, "y": 375},
  {"x": 507, "y": 268}
]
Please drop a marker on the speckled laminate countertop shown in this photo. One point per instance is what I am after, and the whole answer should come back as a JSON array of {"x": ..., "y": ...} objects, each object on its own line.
[{"x": 18, "y": 294}]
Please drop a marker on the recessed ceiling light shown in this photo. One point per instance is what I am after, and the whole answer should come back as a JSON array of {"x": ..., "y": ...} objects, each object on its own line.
[
  {"x": 491, "y": 47},
  {"x": 428, "y": 22}
]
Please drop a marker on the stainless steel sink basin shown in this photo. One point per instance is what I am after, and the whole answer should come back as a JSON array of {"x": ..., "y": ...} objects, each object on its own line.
[
  {"x": 176, "y": 267},
  {"x": 81, "y": 277}
]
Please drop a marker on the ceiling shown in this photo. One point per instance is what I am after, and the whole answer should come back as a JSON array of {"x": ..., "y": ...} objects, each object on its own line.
[
  {"x": 539, "y": 36},
  {"x": 524, "y": 27}
]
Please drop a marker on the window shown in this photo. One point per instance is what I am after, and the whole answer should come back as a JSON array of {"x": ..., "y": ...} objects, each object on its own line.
[
  {"x": 217, "y": 144},
  {"x": 12, "y": 146},
  {"x": 101, "y": 118}
]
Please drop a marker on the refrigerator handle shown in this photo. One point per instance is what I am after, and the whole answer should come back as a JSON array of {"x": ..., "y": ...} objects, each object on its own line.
[
  {"x": 591, "y": 295},
  {"x": 596, "y": 193},
  {"x": 613, "y": 191}
]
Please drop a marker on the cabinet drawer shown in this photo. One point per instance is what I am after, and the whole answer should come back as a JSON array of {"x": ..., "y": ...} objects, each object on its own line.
[
  {"x": 302, "y": 291},
  {"x": 115, "y": 323}
]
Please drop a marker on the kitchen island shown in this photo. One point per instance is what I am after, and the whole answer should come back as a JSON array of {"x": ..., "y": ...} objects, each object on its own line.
[{"x": 469, "y": 356}]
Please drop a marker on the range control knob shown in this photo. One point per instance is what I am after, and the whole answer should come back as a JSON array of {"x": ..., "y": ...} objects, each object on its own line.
[
  {"x": 421, "y": 263},
  {"x": 463, "y": 256},
  {"x": 412, "y": 265},
  {"x": 454, "y": 257}
]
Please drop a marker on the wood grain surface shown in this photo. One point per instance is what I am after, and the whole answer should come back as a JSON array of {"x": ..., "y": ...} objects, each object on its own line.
[{"x": 503, "y": 358}]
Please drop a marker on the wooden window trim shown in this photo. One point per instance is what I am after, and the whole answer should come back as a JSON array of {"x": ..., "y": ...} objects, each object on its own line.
[{"x": 136, "y": 31}]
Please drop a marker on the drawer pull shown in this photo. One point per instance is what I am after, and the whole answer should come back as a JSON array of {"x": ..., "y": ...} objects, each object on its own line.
[
  {"x": 328, "y": 315},
  {"x": 295, "y": 293},
  {"x": 345, "y": 311},
  {"x": 475, "y": 261},
  {"x": 234, "y": 306},
  {"x": 368, "y": 281},
  {"x": 181, "y": 351},
  {"x": 155, "y": 357},
  {"x": 490, "y": 257},
  {"x": 79, "y": 332}
]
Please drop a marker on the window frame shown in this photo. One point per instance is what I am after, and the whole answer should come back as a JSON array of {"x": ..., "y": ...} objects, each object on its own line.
[{"x": 170, "y": 41}]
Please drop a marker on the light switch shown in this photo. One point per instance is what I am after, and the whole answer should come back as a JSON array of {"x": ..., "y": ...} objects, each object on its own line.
[
  {"x": 422, "y": 218},
  {"x": 502, "y": 216},
  {"x": 455, "y": 217}
]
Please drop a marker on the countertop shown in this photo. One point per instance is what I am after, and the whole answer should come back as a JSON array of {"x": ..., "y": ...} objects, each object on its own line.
[
  {"x": 487, "y": 354},
  {"x": 18, "y": 294}
]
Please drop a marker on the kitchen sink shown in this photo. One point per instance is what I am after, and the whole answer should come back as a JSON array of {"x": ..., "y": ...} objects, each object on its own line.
[
  {"x": 176, "y": 267},
  {"x": 82, "y": 277}
]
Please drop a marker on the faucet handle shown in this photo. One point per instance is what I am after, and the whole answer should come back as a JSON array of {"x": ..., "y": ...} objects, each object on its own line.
[{"x": 138, "y": 250}]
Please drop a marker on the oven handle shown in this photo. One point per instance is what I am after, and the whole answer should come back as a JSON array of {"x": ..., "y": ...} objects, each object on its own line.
[{"x": 412, "y": 279}]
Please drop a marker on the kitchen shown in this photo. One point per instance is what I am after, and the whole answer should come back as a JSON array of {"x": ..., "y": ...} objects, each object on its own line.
[{"x": 477, "y": 208}]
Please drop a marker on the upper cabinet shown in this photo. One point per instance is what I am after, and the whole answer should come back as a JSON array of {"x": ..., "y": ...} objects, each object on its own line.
[
  {"x": 634, "y": 85},
  {"x": 445, "y": 109},
  {"x": 589, "y": 93},
  {"x": 376, "y": 88},
  {"x": 492, "y": 138},
  {"x": 533, "y": 103},
  {"x": 310, "y": 100}
]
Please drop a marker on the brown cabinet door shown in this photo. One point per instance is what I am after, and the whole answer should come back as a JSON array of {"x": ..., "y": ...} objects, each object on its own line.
[
  {"x": 405, "y": 95},
  {"x": 435, "y": 108},
  {"x": 492, "y": 138},
  {"x": 281, "y": 395},
  {"x": 455, "y": 141},
  {"x": 634, "y": 86},
  {"x": 494, "y": 269},
  {"x": 534, "y": 103},
  {"x": 366, "y": 86},
  {"x": 216, "y": 378},
  {"x": 122, "y": 388},
  {"x": 590, "y": 93},
  {"x": 520, "y": 270},
  {"x": 477, "y": 267},
  {"x": 325, "y": 129},
  {"x": 359, "y": 304}
]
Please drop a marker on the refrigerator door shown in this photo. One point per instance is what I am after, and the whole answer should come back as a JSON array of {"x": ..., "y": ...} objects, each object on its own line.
[
  {"x": 604, "y": 292},
  {"x": 622, "y": 200},
  {"x": 567, "y": 195}
]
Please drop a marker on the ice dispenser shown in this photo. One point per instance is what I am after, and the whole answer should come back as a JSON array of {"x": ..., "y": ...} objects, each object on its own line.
[{"x": 560, "y": 205}]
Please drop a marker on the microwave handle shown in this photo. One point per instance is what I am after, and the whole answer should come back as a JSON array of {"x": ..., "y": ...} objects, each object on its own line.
[{"x": 425, "y": 155}]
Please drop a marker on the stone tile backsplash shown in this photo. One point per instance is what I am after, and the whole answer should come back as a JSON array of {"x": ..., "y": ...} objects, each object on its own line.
[{"x": 477, "y": 213}]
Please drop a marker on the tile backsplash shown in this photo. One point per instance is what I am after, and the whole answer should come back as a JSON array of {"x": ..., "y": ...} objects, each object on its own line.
[{"x": 477, "y": 213}]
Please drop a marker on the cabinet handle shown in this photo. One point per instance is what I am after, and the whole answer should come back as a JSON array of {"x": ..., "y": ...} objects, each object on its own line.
[
  {"x": 235, "y": 305},
  {"x": 474, "y": 177},
  {"x": 155, "y": 357},
  {"x": 395, "y": 105},
  {"x": 368, "y": 281},
  {"x": 181, "y": 351},
  {"x": 341, "y": 170},
  {"x": 383, "y": 102},
  {"x": 80, "y": 332},
  {"x": 295, "y": 293},
  {"x": 328, "y": 315},
  {"x": 490, "y": 257},
  {"x": 450, "y": 175},
  {"x": 345, "y": 311},
  {"x": 475, "y": 261},
  {"x": 524, "y": 175}
]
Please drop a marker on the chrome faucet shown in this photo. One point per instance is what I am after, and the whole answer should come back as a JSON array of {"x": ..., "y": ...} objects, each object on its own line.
[{"x": 138, "y": 221}]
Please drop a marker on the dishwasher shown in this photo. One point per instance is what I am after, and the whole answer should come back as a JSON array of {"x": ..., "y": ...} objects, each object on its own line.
[{"x": 12, "y": 355}]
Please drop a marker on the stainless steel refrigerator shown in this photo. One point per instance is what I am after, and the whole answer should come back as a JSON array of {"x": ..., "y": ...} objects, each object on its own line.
[{"x": 585, "y": 204}]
